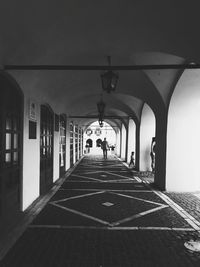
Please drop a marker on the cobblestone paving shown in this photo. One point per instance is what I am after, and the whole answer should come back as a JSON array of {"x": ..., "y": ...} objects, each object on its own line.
[
  {"x": 187, "y": 201},
  {"x": 103, "y": 216}
]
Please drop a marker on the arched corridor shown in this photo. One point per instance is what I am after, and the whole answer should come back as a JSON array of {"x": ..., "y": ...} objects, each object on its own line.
[{"x": 80, "y": 80}]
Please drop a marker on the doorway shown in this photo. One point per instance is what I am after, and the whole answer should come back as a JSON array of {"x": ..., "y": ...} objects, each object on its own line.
[
  {"x": 11, "y": 114},
  {"x": 46, "y": 148},
  {"x": 62, "y": 149},
  {"x": 89, "y": 142},
  {"x": 98, "y": 142},
  {"x": 71, "y": 143}
]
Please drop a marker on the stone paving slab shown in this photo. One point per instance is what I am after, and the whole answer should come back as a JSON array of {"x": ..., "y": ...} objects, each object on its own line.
[
  {"x": 95, "y": 248},
  {"x": 187, "y": 201},
  {"x": 98, "y": 185},
  {"x": 52, "y": 215},
  {"x": 163, "y": 218}
]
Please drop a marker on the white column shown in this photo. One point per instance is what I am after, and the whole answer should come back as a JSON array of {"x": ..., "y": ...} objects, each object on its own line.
[
  {"x": 67, "y": 160},
  {"x": 123, "y": 142},
  {"x": 118, "y": 142},
  {"x": 74, "y": 148},
  {"x": 131, "y": 139}
]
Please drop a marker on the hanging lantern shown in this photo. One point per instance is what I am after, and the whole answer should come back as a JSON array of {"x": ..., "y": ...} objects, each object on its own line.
[
  {"x": 109, "y": 79},
  {"x": 101, "y": 121},
  {"x": 101, "y": 107},
  {"x": 101, "y": 124}
]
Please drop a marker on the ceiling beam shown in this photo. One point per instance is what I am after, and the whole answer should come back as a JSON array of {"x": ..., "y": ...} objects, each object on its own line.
[
  {"x": 96, "y": 117},
  {"x": 93, "y": 67}
]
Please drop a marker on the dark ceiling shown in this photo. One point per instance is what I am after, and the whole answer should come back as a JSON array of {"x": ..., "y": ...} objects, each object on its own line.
[{"x": 75, "y": 32}]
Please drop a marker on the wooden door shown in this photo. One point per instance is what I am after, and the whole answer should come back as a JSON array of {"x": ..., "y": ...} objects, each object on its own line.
[
  {"x": 46, "y": 149},
  {"x": 11, "y": 114},
  {"x": 71, "y": 143},
  {"x": 76, "y": 142},
  {"x": 62, "y": 148},
  {"x": 79, "y": 142}
]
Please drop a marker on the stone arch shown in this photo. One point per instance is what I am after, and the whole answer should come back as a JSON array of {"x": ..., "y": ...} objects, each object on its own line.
[
  {"x": 98, "y": 142},
  {"x": 89, "y": 142}
]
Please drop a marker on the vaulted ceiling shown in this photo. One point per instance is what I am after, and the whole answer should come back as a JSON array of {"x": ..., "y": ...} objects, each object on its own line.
[{"x": 76, "y": 32}]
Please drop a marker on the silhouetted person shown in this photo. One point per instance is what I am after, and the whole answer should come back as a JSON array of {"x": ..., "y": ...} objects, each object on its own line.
[
  {"x": 87, "y": 148},
  {"x": 112, "y": 149},
  {"x": 152, "y": 153},
  {"x": 104, "y": 147},
  {"x": 132, "y": 160}
]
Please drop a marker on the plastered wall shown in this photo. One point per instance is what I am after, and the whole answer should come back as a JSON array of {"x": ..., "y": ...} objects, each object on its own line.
[
  {"x": 56, "y": 167},
  {"x": 183, "y": 135},
  {"x": 31, "y": 159},
  {"x": 67, "y": 162},
  {"x": 147, "y": 131}
]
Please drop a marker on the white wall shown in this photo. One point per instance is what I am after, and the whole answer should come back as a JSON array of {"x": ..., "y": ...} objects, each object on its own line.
[
  {"x": 123, "y": 142},
  {"x": 147, "y": 131},
  {"x": 74, "y": 145},
  {"x": 56, "y": 164},
  {"x": 131, "y": 139},
  {"x": 118, "y": 143},
  {"x": 31, "y": 159},
  {"x": 183, "y": 135},
  {"x": 81, "y": 142},
  {"x": 67, "y": 162}
]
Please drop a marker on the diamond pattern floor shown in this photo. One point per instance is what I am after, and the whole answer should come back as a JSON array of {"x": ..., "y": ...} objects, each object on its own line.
[{"x": 103, "y": 216}]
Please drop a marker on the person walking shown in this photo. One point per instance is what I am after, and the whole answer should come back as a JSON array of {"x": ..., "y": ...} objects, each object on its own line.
[
  {"x": 132, "y": 160},
  {"x": 105, "y": 147}
]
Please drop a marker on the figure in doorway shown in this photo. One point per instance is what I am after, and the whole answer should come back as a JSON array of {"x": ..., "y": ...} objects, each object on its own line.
[
  {"x": 112, "y": 149},
  {"x": 105, "y": 147},
  {"x": 132, "y": 160},
  {"x": 152, "y": 153},
  {"x": 87, "y": 148}
]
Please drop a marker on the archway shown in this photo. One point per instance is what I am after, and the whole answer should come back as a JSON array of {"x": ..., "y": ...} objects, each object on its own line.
[
  {"x": 98, "y": 142},
  {"x": 95, "y": 134},
  {"x": 89, "y": 142}
]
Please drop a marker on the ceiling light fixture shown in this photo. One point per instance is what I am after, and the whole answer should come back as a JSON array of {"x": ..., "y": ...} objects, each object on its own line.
[
  {"x": 109, "y": 78},
  {"x": 101, "y": 110}
]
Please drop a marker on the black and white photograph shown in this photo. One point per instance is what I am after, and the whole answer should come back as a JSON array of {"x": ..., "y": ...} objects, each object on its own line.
[{"x": 99, "y": 133}]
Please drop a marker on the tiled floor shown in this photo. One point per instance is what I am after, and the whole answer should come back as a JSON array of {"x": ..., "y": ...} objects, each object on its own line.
[{"x": 105, "y": 216}]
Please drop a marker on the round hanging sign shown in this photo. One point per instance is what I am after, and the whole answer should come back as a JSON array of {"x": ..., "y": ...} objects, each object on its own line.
[
  {"x": 98, "y": 131},
  {"x": 89, "y": 131}
]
